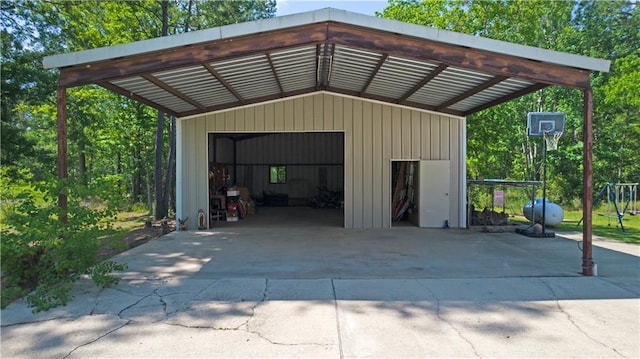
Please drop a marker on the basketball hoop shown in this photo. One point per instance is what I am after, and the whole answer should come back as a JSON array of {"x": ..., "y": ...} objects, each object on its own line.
[{"x": 552, "y": 138}]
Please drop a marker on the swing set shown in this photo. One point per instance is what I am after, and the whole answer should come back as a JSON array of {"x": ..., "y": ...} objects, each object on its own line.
[{"x": 620, "y": 196}]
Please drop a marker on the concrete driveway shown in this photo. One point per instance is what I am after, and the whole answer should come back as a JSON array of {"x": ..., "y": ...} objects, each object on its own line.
[{"x": 331, "y": 292}]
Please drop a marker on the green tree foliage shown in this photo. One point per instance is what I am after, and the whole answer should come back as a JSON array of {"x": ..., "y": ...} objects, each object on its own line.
[
  {"x": 43, "y": 254},
  {"x": 604, "y": 29},
  {"x": 107, "y": 134},
  {"x": 110, "y": 138},
  {"x": 23, "y": 83}
]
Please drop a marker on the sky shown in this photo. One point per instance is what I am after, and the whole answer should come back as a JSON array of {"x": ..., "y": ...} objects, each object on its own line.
[{"x": 367, "y": 7}]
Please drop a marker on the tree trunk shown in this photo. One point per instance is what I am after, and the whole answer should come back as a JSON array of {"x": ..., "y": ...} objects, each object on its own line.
[
  {"x": 136, "y": 190},
  {"x": 161, "y": 210},
  {"x": 161, "y": 207},
  {"x": 170, "y": 163},
  {"x": 149, "y": 197},
  {"x": 82, "y": 161},
  {"x": 119, "y": 163}
]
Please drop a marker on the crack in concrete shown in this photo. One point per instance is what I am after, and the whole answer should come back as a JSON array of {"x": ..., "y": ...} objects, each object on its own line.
[
  {"x": 37, "y": 321},
  {"x": 98, "y": 338},
  {"x": 570, "y": 318},
  {"x": 238, "y": 329},
  {"x": 335, "y": 301},
  {"x": 253, "y": 309},
  {"x": 133, "y": 305},
  {"x": 95, "y": 302},
  {"x": 284, "y": 344},
  {"x": 265, "y": 294},
  {"x": 197, "y": 326},
  {"x": 439, "y": 316},
  {"x": 245, "y": 324},
  {"x": 162, "y": 302}
]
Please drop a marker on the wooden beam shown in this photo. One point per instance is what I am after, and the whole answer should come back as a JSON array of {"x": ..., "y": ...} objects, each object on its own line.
[
  {"x": 587, "y": 184},
  {"x": 471, "y": 92},
  {"x": 432, "y": 108},
  {"x": 424, "y": 81},
  {"x": 509, "y": 97},
  {"x": 484, "y": 61},
  {"x": 392, "y": 100},
  {"x": 192, "y": 55},
  {"x": 224, "y": 83},
  {"x": 275, "y": 73},
  {"x": 135, "y": 97},
  {"x": 156, "y": 81},
  {"x": 381, "y": 62},
  {"x": 228, "y": 105},
  {"x": 62, "y": 164}
]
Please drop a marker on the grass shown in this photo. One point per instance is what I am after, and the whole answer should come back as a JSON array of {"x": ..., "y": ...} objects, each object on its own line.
[
  {"x": 603, "y": 225},
  {"x": 129, "y": 220}
]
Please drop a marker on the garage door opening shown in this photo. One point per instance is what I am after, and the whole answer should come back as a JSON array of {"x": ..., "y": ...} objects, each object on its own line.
[{"x": 276, "y": 179}]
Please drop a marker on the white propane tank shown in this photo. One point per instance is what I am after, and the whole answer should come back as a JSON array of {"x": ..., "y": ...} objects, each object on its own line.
[{"x": 553, "y": 212}]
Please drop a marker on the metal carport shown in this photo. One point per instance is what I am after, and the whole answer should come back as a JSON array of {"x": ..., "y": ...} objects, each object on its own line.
[{"x": 328, "y": 50}]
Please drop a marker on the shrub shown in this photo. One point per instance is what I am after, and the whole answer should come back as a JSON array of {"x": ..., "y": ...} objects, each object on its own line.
[{"x": 44, "y": 256}]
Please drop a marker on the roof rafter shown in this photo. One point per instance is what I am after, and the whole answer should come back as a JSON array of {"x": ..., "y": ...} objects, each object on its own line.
[
  {"x": 511, "y": 96},
  {"x": 326, "y": 37},
  {"x": 85, "y": 74},
  {"x": 424, "y": 81},
  {"x": 133, "y": 96},
  {"x": 224, "y": 83},
  {"x": 471, "y": 92},
  {"x": 275, "y": 73},
  {"x": 491, "y": 63},
  {"x": 249, "y": 101},
  {"x": 156, "y": 81},
  {"x": 381, "y": 62}
]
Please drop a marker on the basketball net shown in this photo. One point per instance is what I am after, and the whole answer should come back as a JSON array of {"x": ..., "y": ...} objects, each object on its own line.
[{"x": 552, "y": 139}]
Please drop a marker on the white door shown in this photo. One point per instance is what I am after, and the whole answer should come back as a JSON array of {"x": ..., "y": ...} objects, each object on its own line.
[{"x": 434, "y": 193}]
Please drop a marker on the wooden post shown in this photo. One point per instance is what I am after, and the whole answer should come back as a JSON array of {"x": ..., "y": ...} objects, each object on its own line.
[
  {"x": 62, "y": 151},
  {"x": 587, "y": 184}
]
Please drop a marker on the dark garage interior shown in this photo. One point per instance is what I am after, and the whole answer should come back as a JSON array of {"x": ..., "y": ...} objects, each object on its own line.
[{"x": 276, "y": 178}]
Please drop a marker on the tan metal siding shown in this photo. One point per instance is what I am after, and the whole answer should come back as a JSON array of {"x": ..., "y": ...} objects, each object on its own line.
[
  {"x": 387, "y": 148},
  {"x": 367, "y": 166},
  {"x": 288, "y": 116},
  {"x": 250, "y": 118},
  {"x": 269, "y": 118},
  {"x": 358, "y": 168},
  {"x": 396, "y": 132},
  {"x": 308, "y": 110},
  {"x": 416, "y": 131},
  {"x": 377, "y": 163},
  {"x": 318, "y": 113},
  {"x": 278, "y": 112},
  {"x": 191, "y": 193},
  {"x": 259, "y": 118},
  {"x": 298, "y": 109},
  {"x": 374, "y": 134},
  {"x": 240, "y": 121},
  {"x": 201, "y": 178},
  {"x": 454, "y": 194},
  {"x": 347, "y": 121},
  {"x": 406, "y": 133},
  {"x": 434, "y": 137},
  {"x": 425, "y": 131}
]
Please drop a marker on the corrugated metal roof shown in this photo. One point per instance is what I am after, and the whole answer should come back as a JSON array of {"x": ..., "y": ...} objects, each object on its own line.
[{"x": 393, "y": 62}]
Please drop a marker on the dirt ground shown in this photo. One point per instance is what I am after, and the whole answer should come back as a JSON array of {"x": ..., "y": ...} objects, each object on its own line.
[{"x": 135, "y": 237}]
